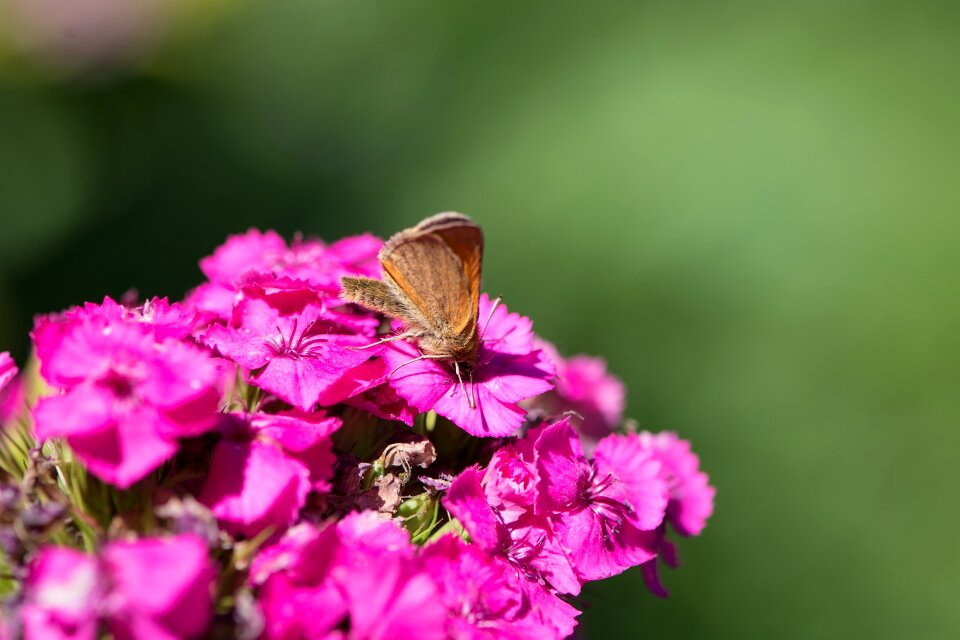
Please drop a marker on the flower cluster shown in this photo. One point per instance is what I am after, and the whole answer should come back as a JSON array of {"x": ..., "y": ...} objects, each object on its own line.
[{"x": 256, "y": 461}]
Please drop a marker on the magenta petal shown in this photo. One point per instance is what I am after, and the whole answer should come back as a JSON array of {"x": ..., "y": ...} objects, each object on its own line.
[
  {"x": 504, "y": 332},
  {"x": 560, "y": 465},
  {"x": 639, "y": 474},
  {"x": 420, "y": 383},
  {"x": 588, "y": 546},
  {"x": 388, "y": 594},
  {"x": 651, "y": 578},
  {"x": 516, "y": 378},
  {"x": 179, "y": 574},
  {"x": 126, "y": 450},
  {"x": 252, "y": 485},
  {"x": 536, "y": 539},
  {"x": 305, "y": 553},
  {"x": 595, "y": 554},
  {"x": 384, "y": 402},
  {"x": 213, "y": 301},
  {"x": 82, "y": 410},
  {"x": 691, "y": 496},
  {"x": 465, "y": 500},
  {"x": 510, "y": 480},
  {"x": 295, "y": 612},
  {"x": 693, "y": 505},
  {"x": 359, "y": 379},
  {"x": 12, "y": 400},
  {"x": 62, "y": 595},
  {"x": 304, "y": 436},
  {"x": 8, "y": 369},
  {"x": 240, "y": 253},
  {"x": 194, "y": 417},
  {"x": 367, "y": 535},
  {"x": 556, "y": 618},
  {"x": 177, "y": 374},
  {"x": 358, "y": 254},
  {"x": 299, "y": 382},
  {"x": 487, "y": 599},
  {"x": 498, "y": 382},
  {"x": 393, "y": 599},
  {"x": 296, "y": 431},
  {"x": 238, "y": 346},
  {"x": 490, "y": 418}
]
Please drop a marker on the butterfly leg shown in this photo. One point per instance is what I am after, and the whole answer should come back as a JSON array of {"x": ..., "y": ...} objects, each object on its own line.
[
  {"x": 470, "y": 400},
  {"x": 473, "y": 392}
]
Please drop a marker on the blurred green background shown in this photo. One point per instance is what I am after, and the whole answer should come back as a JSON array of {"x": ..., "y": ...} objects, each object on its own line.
[{"x": 750, "y": 209}]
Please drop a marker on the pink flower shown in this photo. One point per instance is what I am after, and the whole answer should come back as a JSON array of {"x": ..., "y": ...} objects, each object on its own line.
[
  {"x": 264, "y": 467},
  {"x": 11, "y": 389},
  {"x": 510, "y": 480},
  {"x": 178, "y": 575},
  {"x": 12, "y": 400},
  {"x": 253, "y": 250},
  {"x": 528, "y": 543},
  {"x": 127, "y": 395},
  {"x": 365, "y": 387},
  {"x": 691, "y": 497},
  {"x": 68, "y": 594},
  {"x": 63, "y": 595},
  {"x": 162, "y": 318},
  {"x": 297, "y": 357},
  {"x": 487, "y": 599},
  {"x": 584, "y": 386},
  {"x": 310, "y": 260},
  {"x": 358, "y": 580},
  {"x": 603, "y": 512},
  {"x": 509, "y": 369},
  {"x": 245, "y": 257}
]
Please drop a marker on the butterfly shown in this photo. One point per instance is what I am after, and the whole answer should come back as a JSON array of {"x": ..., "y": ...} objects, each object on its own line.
[{"x": 431, "y": 281}]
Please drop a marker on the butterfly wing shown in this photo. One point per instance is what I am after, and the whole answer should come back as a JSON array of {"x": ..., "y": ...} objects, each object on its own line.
[
  {"x": 437, "y": 267},
  {"x": 465, "y": 238}
]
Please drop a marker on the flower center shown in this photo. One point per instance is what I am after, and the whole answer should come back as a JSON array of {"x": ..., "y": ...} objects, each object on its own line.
[
  {"x": 610, "y": 511},
  {"x": 296, "y": 344}
]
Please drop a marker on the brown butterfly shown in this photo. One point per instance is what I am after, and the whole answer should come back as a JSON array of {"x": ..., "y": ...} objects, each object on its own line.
[{"x": 431, "y": 281}]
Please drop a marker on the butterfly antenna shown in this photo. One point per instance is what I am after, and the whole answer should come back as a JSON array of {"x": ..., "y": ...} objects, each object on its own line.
[
  {"x": 380, "y": 342},
  {"x": 411, "y": 361},
  {"x": 473, "y": 392},
  {"x": 496, "y": 303}
]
